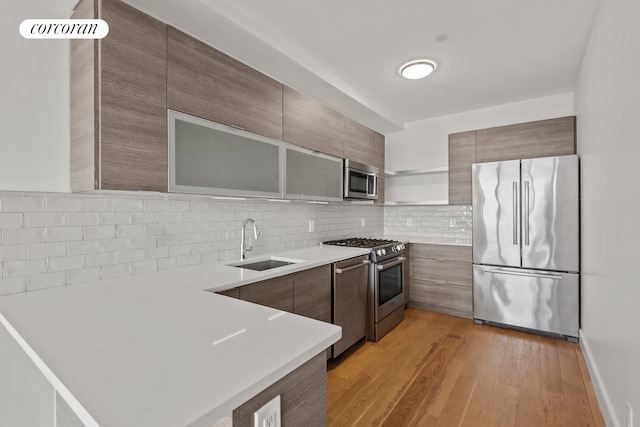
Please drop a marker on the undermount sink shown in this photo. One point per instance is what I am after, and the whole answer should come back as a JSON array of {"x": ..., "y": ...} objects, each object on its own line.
[{"x": 265, "y": 264}]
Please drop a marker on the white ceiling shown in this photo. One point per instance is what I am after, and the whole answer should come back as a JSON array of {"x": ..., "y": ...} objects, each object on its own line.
[{"x": 347, "y": 53}]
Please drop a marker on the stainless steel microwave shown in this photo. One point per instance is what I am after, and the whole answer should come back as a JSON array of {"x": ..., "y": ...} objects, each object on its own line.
[{"x": 360, "y": 181}]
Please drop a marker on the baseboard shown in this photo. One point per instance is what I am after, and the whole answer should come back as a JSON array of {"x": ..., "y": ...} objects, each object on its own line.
[{"x": 601, "y": 392}]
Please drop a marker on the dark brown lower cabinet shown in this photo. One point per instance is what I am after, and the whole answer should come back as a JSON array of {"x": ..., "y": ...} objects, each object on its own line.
[
  {"x": 442, "y": 279},
  {"x": 274, "y": 293},
  {"x": 303, "y": 397}
]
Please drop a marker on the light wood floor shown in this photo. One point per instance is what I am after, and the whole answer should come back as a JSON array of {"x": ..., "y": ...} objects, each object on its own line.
[{"x": 438, "y": 370}]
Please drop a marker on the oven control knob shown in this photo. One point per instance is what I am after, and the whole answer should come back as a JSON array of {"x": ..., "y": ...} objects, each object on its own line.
[
  {"x": 399, "y": 247},
  {"x": 384, "y": 251},
  {"x": 379, "y": 252}
]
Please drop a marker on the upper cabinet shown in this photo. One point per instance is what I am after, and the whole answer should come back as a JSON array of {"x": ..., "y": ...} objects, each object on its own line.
[
  {"x": 205, "y": 82},
  {"x": 122, "y": 87},
  {"x": 462, "y": 154},
  {"x": 359, "y": 143},
  {"x": 542, "y": 138},
  {"x": 310, "y": 175},
  {"x": 118, "y": 102},
  {"x": 310, "y": 124}
]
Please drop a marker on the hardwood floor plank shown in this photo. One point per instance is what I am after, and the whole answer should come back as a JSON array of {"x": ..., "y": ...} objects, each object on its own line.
[{"x": 439, "y": 370}]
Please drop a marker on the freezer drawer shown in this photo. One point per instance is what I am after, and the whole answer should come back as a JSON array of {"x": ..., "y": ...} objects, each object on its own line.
[{"x": 544, "y": 301}]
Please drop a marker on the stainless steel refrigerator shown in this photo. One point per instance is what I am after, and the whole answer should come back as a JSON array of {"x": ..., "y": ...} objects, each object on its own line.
[{"x": 526, "y": 244}]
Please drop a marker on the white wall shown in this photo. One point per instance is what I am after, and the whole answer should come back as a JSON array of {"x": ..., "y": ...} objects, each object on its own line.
[
  {"x": 608, "y": 110},
  {"x": 424, "y": 144},
  {"x": 34, "y": 106}
]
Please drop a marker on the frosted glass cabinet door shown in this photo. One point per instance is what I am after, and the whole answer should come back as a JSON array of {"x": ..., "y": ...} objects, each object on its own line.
[
  {"x": 209, "y": 158},
  {"x": 311, "y": 175}
]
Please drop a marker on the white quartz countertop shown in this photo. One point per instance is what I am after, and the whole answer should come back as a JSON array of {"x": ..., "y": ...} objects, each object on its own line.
[{"x": 158, "y": 349}]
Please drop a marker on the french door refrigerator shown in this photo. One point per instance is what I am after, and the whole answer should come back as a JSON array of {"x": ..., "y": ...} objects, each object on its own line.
[{"x": 526, "y": 244}]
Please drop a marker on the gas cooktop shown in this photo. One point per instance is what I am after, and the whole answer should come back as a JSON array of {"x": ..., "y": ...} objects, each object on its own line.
[{"x": 360, "y": 242}]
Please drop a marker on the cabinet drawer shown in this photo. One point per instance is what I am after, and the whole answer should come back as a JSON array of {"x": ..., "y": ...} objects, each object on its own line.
[
  {"x": 454, "y": 272},
  {"x": 442, "y": 297},
  {"x": 442, "y": 252}
]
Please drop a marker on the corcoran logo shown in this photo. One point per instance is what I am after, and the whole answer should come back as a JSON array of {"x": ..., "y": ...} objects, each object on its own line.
[{"x": 64, "y": 28}]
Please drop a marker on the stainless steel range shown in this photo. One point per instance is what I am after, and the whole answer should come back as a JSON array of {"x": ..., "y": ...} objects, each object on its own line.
[{"x": 385, "y": 298}]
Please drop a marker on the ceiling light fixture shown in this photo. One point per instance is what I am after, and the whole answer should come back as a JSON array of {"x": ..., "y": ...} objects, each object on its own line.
[{"x": 417, "y": 69}]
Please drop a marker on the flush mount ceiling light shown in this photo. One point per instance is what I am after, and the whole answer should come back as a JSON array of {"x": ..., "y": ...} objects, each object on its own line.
[{"x": 417, "y": 69}]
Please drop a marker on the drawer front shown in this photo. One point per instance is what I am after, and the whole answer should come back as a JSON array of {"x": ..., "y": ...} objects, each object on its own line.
[
  {"x": 446, "y": 295},
  {"x": 454, "y": 272},
  {"x": 442, "y": 252}
]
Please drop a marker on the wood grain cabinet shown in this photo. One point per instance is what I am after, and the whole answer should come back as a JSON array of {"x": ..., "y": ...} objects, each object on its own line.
[
  {"x": 312, "y": 293},
  {"x": 462, "y": 154},
  {"x": 207, "y": 83},
  {"x": 118, "y": 102},
  {"x": 379, "y": 142},
  {"x": 310, "y": 124},
  {"x": 275, "y": 293},
  {"x": 359, "y": 143},
  {"x": 543, "y": 138},
  {"x": 442, "y": 279},
  {"x": 307, "y": 293}
]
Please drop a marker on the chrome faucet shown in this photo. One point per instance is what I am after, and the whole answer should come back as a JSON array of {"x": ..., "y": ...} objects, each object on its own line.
[{"x": 244, "y": 248}]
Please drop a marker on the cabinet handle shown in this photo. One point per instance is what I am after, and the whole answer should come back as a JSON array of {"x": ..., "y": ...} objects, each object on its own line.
[{"x": 353, "y": 267}]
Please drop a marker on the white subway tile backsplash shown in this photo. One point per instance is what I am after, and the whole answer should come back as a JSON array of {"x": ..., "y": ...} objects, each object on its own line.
[
  {"x": 144, "y": 266},
  {"x": 14, "y": 285},
  {"x": 17, "y": 236},
  {"x": 46, "y": 280},
  {"x": 104, "y": 258},
  {"x": 84, "y": 247},
  {"x": 24, "y": 268},
  {"x": 117, "y": 244},
  {"x": 66, "y": 263},
  {"x": 46, "y": 250},
  {"x": 83, "y": 275},
  {"x": 22, "y": 204},
  {"x": 98, "y": 205},
  {"x": 113, "y": 218},
  {"x": 81, "y": 218},
  {"x": 115, "y": 270},
  {"x": 124, "y": 230},
  {"x": 64, "y": 234},
  {"x": 13, "y": 253},
  {"x": 130, "y": 255},
  {"x": 48, "y": 237},
  {"x": 62, "y": 204},
  {"x": 11, "y": 220},
  {"x": 48, "y": 219},
  {"x": 133, "y": 205}
]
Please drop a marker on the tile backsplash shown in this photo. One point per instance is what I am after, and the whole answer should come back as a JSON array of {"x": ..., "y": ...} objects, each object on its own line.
[
  {"x": 430, "y": 224},
  {"x": 56, "y": 239}
]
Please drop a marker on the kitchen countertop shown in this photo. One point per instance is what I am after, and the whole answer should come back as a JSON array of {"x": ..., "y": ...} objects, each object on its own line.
[{"x": 158, "y": 349}]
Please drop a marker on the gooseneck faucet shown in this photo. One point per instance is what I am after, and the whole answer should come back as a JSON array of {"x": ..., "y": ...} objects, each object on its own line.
[{"x": 244, "y": 248}]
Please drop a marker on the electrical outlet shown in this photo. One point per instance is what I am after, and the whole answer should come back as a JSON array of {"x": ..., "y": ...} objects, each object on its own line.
[
  {"x": 364, "y": 224},
  {"x": 409, "y": 221},
  {"x": 452, "y": 222},
  {"x": 629, "y": 415},
  {"x": 312, "y": 226},
  {"x": 269, "y": 414}
]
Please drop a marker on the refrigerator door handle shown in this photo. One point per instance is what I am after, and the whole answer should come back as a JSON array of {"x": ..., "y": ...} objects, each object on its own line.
[
  {"x": 520, "y": 273},
  {"x": 526, "y": 213},
  {"x": 515, "y": 212}
]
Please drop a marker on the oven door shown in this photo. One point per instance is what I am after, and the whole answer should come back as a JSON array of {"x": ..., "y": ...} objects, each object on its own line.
[{"x": 389, "y": 287}]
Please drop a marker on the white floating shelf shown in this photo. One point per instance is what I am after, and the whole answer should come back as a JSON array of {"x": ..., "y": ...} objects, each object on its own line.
[{"x": 427, "y": 171}]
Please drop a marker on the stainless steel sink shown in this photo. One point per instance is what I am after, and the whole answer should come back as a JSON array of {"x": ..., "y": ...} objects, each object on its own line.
[{"x": 266, "y": 263}]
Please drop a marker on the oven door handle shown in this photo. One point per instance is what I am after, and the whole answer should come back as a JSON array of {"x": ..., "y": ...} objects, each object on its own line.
[
  {"x": 400, "y": 260},
  {"x": 352, "y": 267}
]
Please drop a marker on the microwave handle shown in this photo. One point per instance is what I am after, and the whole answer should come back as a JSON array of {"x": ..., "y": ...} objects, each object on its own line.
[{"x": 375, "y": 184}]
